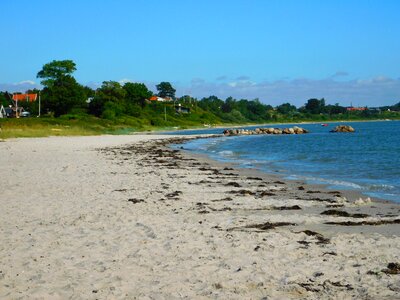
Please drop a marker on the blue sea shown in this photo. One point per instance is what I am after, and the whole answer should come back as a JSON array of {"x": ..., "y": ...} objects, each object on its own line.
[{"x": 367, "y": 160}]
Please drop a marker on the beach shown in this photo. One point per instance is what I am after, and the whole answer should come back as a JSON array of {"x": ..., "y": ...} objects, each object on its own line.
[{"x": 127, "y": 217}]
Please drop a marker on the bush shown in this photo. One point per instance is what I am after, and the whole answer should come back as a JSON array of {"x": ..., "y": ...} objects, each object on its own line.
[
  {"x": 108, "y": 114},
  {"x": 112, "y": 110}
]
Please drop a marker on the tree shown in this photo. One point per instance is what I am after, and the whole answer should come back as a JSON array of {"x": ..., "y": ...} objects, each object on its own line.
[
  {"x": 229, "y": 105},
  {"x": 136, "y": 93},
  {"x": 55, "y": 70},
  {"x": 165, "y": 89},
  {"x": 257, "y": 110},
  {"x": 62, "y": 92},
  {"x": 109, "y": 101},
  {"x": 5, "y": 99},
  {"x": 212, "y": 104},
  {"x": 286, "y": 108},
  {"x": 315, "y": 106},
  {"x": 63, "y": 95},
  {"x": 395, "y": 107},
  {"x": 335, "y": 109}
]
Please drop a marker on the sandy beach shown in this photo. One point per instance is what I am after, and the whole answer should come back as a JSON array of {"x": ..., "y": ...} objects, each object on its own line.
[{"x": 125, "y": 217}]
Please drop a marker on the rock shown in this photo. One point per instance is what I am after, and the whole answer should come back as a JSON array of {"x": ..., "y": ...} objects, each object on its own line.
[
  {"x": 392, "y": 268},
  {"x": 298, "y": 130},
  {"x": 270, "y": 130},
  {"x": 362, "y": 201},
  {"x": 343, "y": 128},
  {"x": 293, "y": 130}
]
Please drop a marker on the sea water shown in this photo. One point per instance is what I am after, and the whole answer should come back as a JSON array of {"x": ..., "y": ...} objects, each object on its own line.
[{"x": 367, "y": 160}]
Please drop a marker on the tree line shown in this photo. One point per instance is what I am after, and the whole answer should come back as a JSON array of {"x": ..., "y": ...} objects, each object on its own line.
[{"x": 63, "y": 95}]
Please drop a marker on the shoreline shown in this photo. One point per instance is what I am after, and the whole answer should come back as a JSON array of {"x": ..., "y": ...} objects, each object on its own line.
[
  {"x": 351, "y": 196},
  {"x": 349, "y": 191},
  {"x": 127, "y": 216}
]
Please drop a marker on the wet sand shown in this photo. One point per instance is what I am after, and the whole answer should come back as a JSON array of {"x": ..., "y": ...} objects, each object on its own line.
[{"x": 124, "y": 216}]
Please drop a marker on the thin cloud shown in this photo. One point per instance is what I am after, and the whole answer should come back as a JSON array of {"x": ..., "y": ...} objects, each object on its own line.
[
  {"x": 197, "y": 81},
  {"x": 21, "y": 86},
  {"x": 375, "y": 91},
  {"x": 29, "y": 82},
  {"x": 125, "y": 80},
  {"x": 221, "y": 78},
  {"x": 340, "y": 74},
  {"x": 243, "y": 78}
]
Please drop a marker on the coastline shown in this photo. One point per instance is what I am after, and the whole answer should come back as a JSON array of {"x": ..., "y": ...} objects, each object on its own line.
[
  {"x": 363, "y": 177},
  {"x": 117, "y": 216},
  {"x": 350, "y": 196}
]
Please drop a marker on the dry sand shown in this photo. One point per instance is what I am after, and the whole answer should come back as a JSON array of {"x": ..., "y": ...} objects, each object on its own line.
[{"x": 123, "y": 217}]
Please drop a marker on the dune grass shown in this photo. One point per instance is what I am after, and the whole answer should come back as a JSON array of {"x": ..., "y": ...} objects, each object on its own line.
[
  {"x": 76, "y": 125},
  {"x": 41, "y": 127}
]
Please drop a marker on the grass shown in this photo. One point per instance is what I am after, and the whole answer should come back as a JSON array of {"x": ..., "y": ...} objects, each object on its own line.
[
  {"x": 41, "y": 127},
  {"x": 80, "y": 125}
]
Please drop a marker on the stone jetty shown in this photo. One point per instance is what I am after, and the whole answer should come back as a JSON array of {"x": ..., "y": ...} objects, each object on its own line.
[{"x": 291, "y": 130}]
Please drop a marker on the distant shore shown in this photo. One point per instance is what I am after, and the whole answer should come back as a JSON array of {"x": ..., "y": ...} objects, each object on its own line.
[
  {"x": 127, "y": 216},
  {"x": 43, "y": 127},
  {"x": 162, "y": 131}
]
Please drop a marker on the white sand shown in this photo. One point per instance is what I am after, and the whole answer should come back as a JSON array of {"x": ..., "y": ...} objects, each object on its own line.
[{"x": 67, "y": 230}]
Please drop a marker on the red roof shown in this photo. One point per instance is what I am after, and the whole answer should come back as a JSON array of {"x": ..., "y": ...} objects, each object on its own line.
[
  {"x": 24, "y": 97},
  {"x": 356, "y": 108},
  {"x": 153, "y": 98}
]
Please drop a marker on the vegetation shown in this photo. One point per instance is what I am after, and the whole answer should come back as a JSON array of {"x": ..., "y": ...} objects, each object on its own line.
[
  {"x": 165, "y": 89},
  {"x": 68, "y": 108}
]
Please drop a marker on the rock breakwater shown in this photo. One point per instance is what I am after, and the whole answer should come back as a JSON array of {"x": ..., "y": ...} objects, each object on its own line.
[{"x": 291, "y": 130}]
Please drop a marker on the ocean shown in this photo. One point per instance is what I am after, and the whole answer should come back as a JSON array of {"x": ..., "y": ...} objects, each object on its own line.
[{"x": 367, "y": 161}]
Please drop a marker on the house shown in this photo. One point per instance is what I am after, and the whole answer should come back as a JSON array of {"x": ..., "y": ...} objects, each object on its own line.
[
  {"x": 25, "y": 97},
  {"x": 351, "y": 108},
  {"x": 378, "y": 109},
  {"x": 10, "y": 112},
  {"x": 181, "y": 109},
  {"x": 160, "y": 99}
]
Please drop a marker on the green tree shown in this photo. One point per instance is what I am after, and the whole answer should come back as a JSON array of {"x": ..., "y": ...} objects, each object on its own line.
[
  {"x": 64, "y": 95},
  {"x": 165, "y": 89},
  {"x": 315, "y": 106},
  {"x": 89, "y": 92},
  {"x": 286, "y": 109},
  {"x": 257, "y": 110},
  {"x": 137, "y": 93},
  {"x": 335, "y": 109},
  {"x": 55, "y": 70},
  {"x": 61, "y": 91},
  {"x": 5, "y": 99},
  {"x": 212, "y": 104},
  {"x": 395, "y": 107},
  {"x": 229, "y": 105},
  {"x": 109, "y": 101}
]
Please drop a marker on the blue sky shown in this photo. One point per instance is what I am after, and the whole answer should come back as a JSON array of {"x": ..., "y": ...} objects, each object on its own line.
[{"x": 277, "y": 51}]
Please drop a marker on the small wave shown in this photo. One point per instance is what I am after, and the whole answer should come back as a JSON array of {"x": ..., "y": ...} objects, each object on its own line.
[
  {"x": 333, "y": 182},
  {"x": 226, "y": 153},
  {"x": 380, "y": 187}
]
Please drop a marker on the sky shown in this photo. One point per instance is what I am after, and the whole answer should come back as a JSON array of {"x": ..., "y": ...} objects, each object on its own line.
[{"x": 345, "y": 51}]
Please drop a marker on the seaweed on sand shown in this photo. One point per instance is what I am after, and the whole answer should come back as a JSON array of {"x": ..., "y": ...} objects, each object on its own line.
[
  {"x": 263, "y": 226},
  {"x": 371, "y": 223},
  {"x": 341, "y": 213}
]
